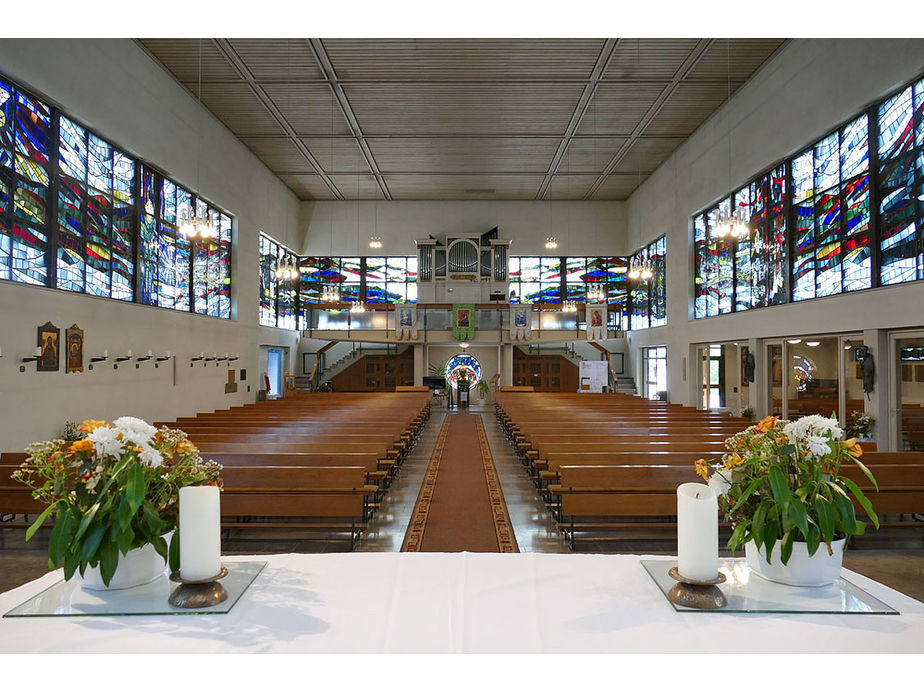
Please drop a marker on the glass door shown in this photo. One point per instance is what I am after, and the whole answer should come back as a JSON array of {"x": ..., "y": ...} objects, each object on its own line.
[
  {"x": 908, "y": 407},
  {"x": 714, "y": 376},
  {"x": 274, "y": 372},
  {"x": 655, "y": 371}
]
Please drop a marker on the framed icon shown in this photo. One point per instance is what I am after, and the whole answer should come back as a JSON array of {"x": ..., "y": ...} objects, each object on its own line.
[
  {"x": 73, "y": 343},
  {"x": 49, "y": 338}
]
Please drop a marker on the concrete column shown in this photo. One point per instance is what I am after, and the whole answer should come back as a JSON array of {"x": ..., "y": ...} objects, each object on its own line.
[
  {"x": 506, "y": 366},
  {"x": 420, "y": 366},
  {"x": 878, "y": 403}
]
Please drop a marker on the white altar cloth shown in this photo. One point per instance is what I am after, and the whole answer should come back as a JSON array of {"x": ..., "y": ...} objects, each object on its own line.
[{"x": 462, "y": 602}]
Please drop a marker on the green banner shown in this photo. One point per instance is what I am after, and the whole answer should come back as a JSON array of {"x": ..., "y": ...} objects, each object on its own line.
[{"x": 463, "y": 321}]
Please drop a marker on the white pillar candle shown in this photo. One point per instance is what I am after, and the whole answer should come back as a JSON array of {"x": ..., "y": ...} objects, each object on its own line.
[
  {"x": 129, "y": 354},
  {"x": 169, "y": 354},
  {"x": 105, "y": 353},
  {"x": 697, "y": 532},
  {"x": 150, "y": 352},
  {"x": 200, "y": 532}
]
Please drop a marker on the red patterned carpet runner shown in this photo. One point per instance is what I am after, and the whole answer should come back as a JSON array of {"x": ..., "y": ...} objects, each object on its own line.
[{"x": 461, "y": 506}]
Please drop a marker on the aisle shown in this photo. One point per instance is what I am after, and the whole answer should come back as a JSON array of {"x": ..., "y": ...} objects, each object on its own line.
[{"x": 461, "y": 506}]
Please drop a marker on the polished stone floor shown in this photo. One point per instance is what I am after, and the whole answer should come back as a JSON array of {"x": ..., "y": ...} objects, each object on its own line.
[{"x": 894, "y": 557}]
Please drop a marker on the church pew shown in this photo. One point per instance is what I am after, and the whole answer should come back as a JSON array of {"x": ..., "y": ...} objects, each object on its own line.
[{"x": 331, "y": 500}]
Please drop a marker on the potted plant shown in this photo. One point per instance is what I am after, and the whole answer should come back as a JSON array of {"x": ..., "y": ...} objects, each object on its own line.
[
  {"x": 860, "y": 425},
  {"x": 114, "y": 496},
  {"x": 747, "y": 413},
  {"x": 483, "y": 390},
  {"x": 781, "y": 486}
]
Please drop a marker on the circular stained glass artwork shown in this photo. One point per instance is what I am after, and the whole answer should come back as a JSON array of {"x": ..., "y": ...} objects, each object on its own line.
[
  {"x": 803, "y": 372},
  {"x": 463, "y": 364}
]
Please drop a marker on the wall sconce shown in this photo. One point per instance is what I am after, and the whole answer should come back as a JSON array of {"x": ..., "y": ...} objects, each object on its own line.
[
  {"x": 200, "y": 357},
  {"x": 161, "y": 359},
  {"x": 235, "y": 357},
  {"x": 97, "y": 359},
  {"x": 36, "y": 355},
  {"x": 144, "y": 358},
  {"x": 121, "y": 359},
  {"x": 214, "y": 357}
]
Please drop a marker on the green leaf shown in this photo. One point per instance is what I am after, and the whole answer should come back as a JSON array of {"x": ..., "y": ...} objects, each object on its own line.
[
  {"x": 86, "y": 520},
  {"x": 160, "y": 545},
  {"x": 797, "y": 515},
  {"x": 787, "y": 450},
  {"x": 786, "y": 547},
  {"x": 845, "y": 509},
  {"x": 71, "y": 561},
  {"x": 757, "y": 522},
  {"x": 733, "y": 543},
  {"x": 151, "y": 518},
  {"x": 175, "y": 550},
  {"x": 826, "y": 517},
  {"x": 865, "y": 470},
  {"x": 863, "y": 500},
  {"x": 134, "y": 486},
  {"x": 770, "y": 535},
  {"x": 744, "y": 496},
  {"x": 812, "y": 540},
  {"x": 61, "y": 535},
  {"x": 126, "y": 538},
  {"x": 779, "y": 485},
  {"x": 108, "y": 560},
  {"x": 124, "y": 513},
  {"x": 92, "y": 542},
  {"x": 40, "y": 520}
]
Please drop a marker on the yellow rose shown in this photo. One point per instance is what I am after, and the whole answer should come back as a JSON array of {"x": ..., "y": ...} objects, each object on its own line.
[
  {"x": 853, "y": 447},
  {"x": 90, "y": 425},
  {"x": 82, "y": 446}
]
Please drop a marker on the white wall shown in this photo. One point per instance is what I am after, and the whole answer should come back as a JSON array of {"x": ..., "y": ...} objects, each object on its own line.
[
  {"x": 809, "y": 87},
  {"x": 582, "y": 228},
  {"x": 116, "y": 88}
]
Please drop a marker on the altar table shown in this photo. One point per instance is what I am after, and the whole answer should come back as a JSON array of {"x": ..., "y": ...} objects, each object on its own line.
[{"x": 462, "y": 602}]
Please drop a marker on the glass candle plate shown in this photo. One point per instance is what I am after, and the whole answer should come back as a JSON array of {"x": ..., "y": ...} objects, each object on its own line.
[
  {"x": 68, "y": 598},
  {"x": 747, "y": 592}
]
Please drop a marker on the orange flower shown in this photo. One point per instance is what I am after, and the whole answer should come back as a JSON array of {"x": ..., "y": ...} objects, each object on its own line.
[
  {"x": 185, "y": 446},
  {"x": 82, "y": 446},
  {"x": 853, "y": 447},
  {"x": 767, "y": 424},
  {"x": 733, "y": 460},
  {"x": 90, "y": 425},
  {"x": 701, "y": 468}
]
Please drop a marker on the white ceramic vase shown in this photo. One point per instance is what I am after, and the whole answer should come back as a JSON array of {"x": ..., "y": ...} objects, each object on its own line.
[
  {"x": 801, "y": 570},
  {"x": 138, "y": 567}
]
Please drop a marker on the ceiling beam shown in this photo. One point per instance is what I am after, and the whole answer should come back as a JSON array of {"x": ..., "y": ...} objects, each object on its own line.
[
  {"x": 694, "y": 57},
  {"x": 320, "y": 54},
  {"x": 596, "y": 74},
  {"x": 235, "y": 61}
]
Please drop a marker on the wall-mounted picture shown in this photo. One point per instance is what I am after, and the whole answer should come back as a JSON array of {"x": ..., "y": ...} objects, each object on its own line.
[
  {"x": 73, "y": 343},
  {"x": 49, "y": 338},
  {"x": 231, "y": 385}
]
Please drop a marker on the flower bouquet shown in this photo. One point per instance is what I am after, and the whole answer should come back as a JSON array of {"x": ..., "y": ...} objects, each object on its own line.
[
  {"x": 781, "y": 481},
  {"x": 860, "y": 425},
  {"x": 114, "y": 490}
]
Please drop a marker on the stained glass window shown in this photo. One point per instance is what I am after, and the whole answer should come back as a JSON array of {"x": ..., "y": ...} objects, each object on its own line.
[
  {"x": 25, "y": 126},
  {"x": 901, "y": 186},
  {"x": 658, "y": 298},
  {"x": 463, "y": 364},
  {"x": 269, "y": 252}
]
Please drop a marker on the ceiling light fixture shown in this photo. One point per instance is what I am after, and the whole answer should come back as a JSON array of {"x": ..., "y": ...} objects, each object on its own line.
[
  {"x": 731, "y": 223},
  {"x": 286, "y": 270},
  {"x": 358, "y": 307},
  {"x": 551, "y": 243},
  {"x": 812, "y": 344},
  {"x": 463, "y": 345},
  {"x": 794, "y": 341},
  {"x": 375, "y": 242}
]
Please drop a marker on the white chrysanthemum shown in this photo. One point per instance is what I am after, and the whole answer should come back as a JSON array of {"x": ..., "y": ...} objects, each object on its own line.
[
  {"x": 150, "y": 456},
  {"x": 134, "y": 430},
  {"x": 794, "y": 430},
  {"x": 718, "y": 482},
  {"x": 818, "y": 446},
  {"x": 106, "y": 441}
]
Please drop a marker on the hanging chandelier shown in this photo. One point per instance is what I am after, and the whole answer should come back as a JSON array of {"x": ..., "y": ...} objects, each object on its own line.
[
  {"x": 286, "y": 270},
  {"x": 595, "y": 293},
  {"x": 569, "y": 306},
  {"x": 375, "y": 242},
  {"x": 358, "y": 307},
  {"x": 640, "y": 269},
  {"x": 198, "y": 225},
  {"x": 330, "y": 294},
  {"x": 732, "y": 225},
  {"x": 551, "y": 243}
]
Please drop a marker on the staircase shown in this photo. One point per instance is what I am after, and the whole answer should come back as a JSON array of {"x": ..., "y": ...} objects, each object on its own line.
[{"x": 625, "y": 384}]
